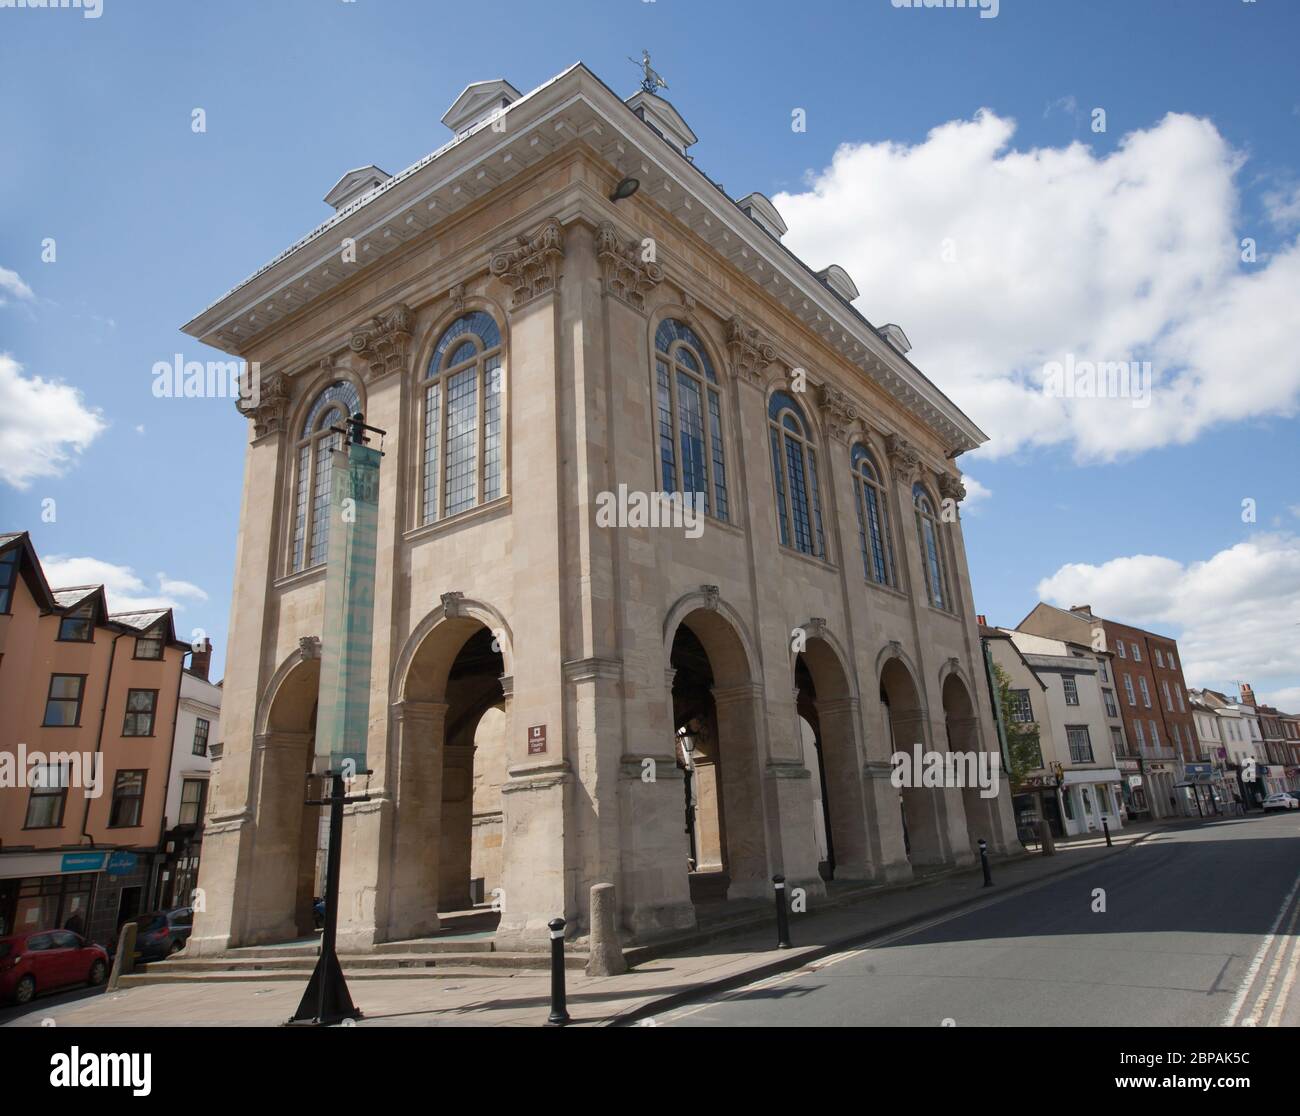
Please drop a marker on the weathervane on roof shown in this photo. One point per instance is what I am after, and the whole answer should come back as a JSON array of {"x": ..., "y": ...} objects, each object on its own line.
[{"x": 650, "y": 79}]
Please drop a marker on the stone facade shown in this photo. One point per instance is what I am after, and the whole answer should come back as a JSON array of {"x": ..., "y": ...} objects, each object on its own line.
[{"x": 525, "y": 605}]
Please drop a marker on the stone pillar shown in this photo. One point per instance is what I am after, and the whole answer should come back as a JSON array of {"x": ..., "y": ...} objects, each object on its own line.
[
  {"x": 926, "y": 808},
  {"x": 536, "y": 840},
  {"x": 838, "y": 721},
  {"x": 274, "y": 868},
  {"x": 654, "y": 847},
  {"x": 885, "y": 819},
  {"x": 738, "y": 710},
  {"x": 414, "y": 867}
]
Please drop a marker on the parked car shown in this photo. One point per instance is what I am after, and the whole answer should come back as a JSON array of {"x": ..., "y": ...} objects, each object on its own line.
[
  {"x": 1281, "y": 801},
  {"x": 47, "y": 960},
  {"x": 159, "y": 934}
]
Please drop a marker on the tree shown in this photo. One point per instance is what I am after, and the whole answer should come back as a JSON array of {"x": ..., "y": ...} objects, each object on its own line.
[{"x": 1023, "y": 749}]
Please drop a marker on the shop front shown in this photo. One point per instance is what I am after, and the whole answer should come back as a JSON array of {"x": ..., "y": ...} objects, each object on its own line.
[
  {"x": 48, "y": 891},
  {"x": 1089, "y": 795},
  {"x": 1132, "y": 791},
  {"x": 1200, "y": 789}
]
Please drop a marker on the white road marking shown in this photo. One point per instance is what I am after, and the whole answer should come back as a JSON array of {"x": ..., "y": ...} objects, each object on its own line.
[{"x": 1230, "y": 1020}]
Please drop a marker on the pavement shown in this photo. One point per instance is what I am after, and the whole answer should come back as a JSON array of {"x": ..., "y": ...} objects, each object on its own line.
[
  {"x": 1153, "y": 868},
  {"x": 522, "y": 997},
  {"x": 1195, "y": 927}
]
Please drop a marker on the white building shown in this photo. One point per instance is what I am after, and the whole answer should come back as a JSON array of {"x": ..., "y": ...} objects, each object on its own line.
[
  {"x": 1059, "y": 687},
  {"x": 198, "y": 728}
]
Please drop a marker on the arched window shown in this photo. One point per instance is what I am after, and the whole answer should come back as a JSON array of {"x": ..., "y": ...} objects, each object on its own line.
[
  {"x": 462, "y": 419},
  {"x": 311, "y": 521},
  {"x": 936, "y": 569},
  {"x": 691, "y": 455},
  {"x": 794, "y": 473},
  {"x": 873, "y": 518}
]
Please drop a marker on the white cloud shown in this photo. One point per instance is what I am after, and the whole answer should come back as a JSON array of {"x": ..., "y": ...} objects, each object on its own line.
[
  {"x": 42, "y": 424},
  {"x": 11, "y": 283},
  {"x": 126, "y": 590},
  {"x": 976, "y": 493},
  {"x": 1128, "y": 255},
  {"x": 1236, "y": 615}
]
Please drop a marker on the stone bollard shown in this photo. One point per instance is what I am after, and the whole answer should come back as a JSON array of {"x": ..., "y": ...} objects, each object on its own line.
[
  {"x": 124, "y": 958},
  {"x": 606, "y": 950}
]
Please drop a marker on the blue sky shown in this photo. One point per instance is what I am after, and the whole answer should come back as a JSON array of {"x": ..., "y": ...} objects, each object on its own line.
[{"x": 152, "y": 222}]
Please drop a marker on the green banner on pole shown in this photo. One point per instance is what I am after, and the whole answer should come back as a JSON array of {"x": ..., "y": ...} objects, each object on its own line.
[{"x": 343, "y": 716}]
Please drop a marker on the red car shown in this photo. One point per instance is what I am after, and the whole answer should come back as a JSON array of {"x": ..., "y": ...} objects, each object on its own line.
[{"x": 46, "y": 960}]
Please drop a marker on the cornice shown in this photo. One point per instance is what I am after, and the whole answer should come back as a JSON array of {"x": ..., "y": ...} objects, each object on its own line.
[{"x": 573, "y": 106}]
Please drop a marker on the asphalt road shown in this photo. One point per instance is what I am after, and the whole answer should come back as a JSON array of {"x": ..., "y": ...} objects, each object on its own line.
[{"x": 1199, "y": 928}]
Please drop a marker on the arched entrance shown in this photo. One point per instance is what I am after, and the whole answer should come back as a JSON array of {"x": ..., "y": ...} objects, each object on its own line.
[
  {"x": 287, "y": 844},
  {"x": 922, "y": 808},
  {"x": 827, "y": 712},
  {"x": 715, "y": 742},
  {"x": 451, "y": 729}
]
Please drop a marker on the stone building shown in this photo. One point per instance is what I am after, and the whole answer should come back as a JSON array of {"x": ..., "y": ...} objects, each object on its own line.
[{"x": 555, "y": 654}]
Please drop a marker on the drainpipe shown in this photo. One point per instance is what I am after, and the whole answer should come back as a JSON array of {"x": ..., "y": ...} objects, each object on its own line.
[{"x": 99, "y": 736}]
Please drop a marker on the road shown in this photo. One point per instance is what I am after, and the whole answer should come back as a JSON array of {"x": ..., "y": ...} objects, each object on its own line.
[{"x": 1199, "y": 928}]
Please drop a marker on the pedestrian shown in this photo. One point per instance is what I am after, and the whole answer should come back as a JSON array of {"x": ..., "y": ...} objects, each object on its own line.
[{"x": 76, "y": 924}]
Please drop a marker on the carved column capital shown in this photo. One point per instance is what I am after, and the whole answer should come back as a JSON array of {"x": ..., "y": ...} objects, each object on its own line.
[
  {"x": 627, "y": 274},
  {"x": 267, "y": 404},
  {"x": 840, "y": 411},
  {"x": 532, "y": 266},
  {"x": 452, "y": 604},
  {"x": 309, "y": 647},
  {"x": 903, "y": 457},
  {"x": 951, "y": 488},
  {"x": 711, "y": 597},
  {"x": 750, "y": 351},
  {"x": 383, "y": 341}
]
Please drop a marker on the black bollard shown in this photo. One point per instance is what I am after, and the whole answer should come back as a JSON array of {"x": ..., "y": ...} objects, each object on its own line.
[
  {"x": 984, "y": 862},
  {"x": 1106, "y": 830},
  {"x": 559, "y": 1014},
  {"x": 782, "y": 915}
]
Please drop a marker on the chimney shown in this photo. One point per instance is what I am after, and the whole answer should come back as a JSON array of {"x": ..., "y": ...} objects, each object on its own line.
[
  {"x": 201, "y": 661},
  {"x": 1247, "y": 694},
  {"x": 1083, "y": 610},
  {"x": 982, "y": 620}
]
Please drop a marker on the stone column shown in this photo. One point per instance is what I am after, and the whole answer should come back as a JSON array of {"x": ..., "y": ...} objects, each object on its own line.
[
  {"x": 885, "y": 819},
  {"x": 652, "y": 837},
  {"x": 537, "y": 837},
  {"x": 414, "y": 867},
  {"x": 842, "y": 758},
  {"x": 275, "y": 862},
  {"x": 739, "y": 709}
]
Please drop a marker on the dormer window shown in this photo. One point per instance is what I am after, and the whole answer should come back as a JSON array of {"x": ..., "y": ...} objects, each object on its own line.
[
  {"x": 78, "y": 626},
  {"x": 150, "y": 645}
]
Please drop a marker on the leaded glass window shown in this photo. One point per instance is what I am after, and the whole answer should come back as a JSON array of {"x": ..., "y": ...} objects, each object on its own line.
[
  {"x": 463, "y": 458},
  {"x": 794, "y": 477},
  {"x": 688, "y": 416},
  {"x": 932, "y": 556},
  {"x": 316, "y": 442},
  {"x": 873, "y": 518}
]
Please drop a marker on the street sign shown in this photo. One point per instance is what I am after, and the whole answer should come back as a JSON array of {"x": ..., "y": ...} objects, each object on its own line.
[{"x": 536, "y": 740}]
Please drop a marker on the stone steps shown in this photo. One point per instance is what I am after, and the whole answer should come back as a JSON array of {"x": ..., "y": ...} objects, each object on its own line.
[{"x": 292, "y": 963}]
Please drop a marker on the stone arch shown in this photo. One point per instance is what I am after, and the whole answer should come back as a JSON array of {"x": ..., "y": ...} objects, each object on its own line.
[
  {"x": 826, "y": 700},
  {"x": 905, "y": 726},
  {"x": 421, "y": 662},
  {"x": 450, "y": 680},
  {"x": 740, "y": 661},
  {"x": 286, "y": 849},
  {"x": 716, "y": 714}
]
